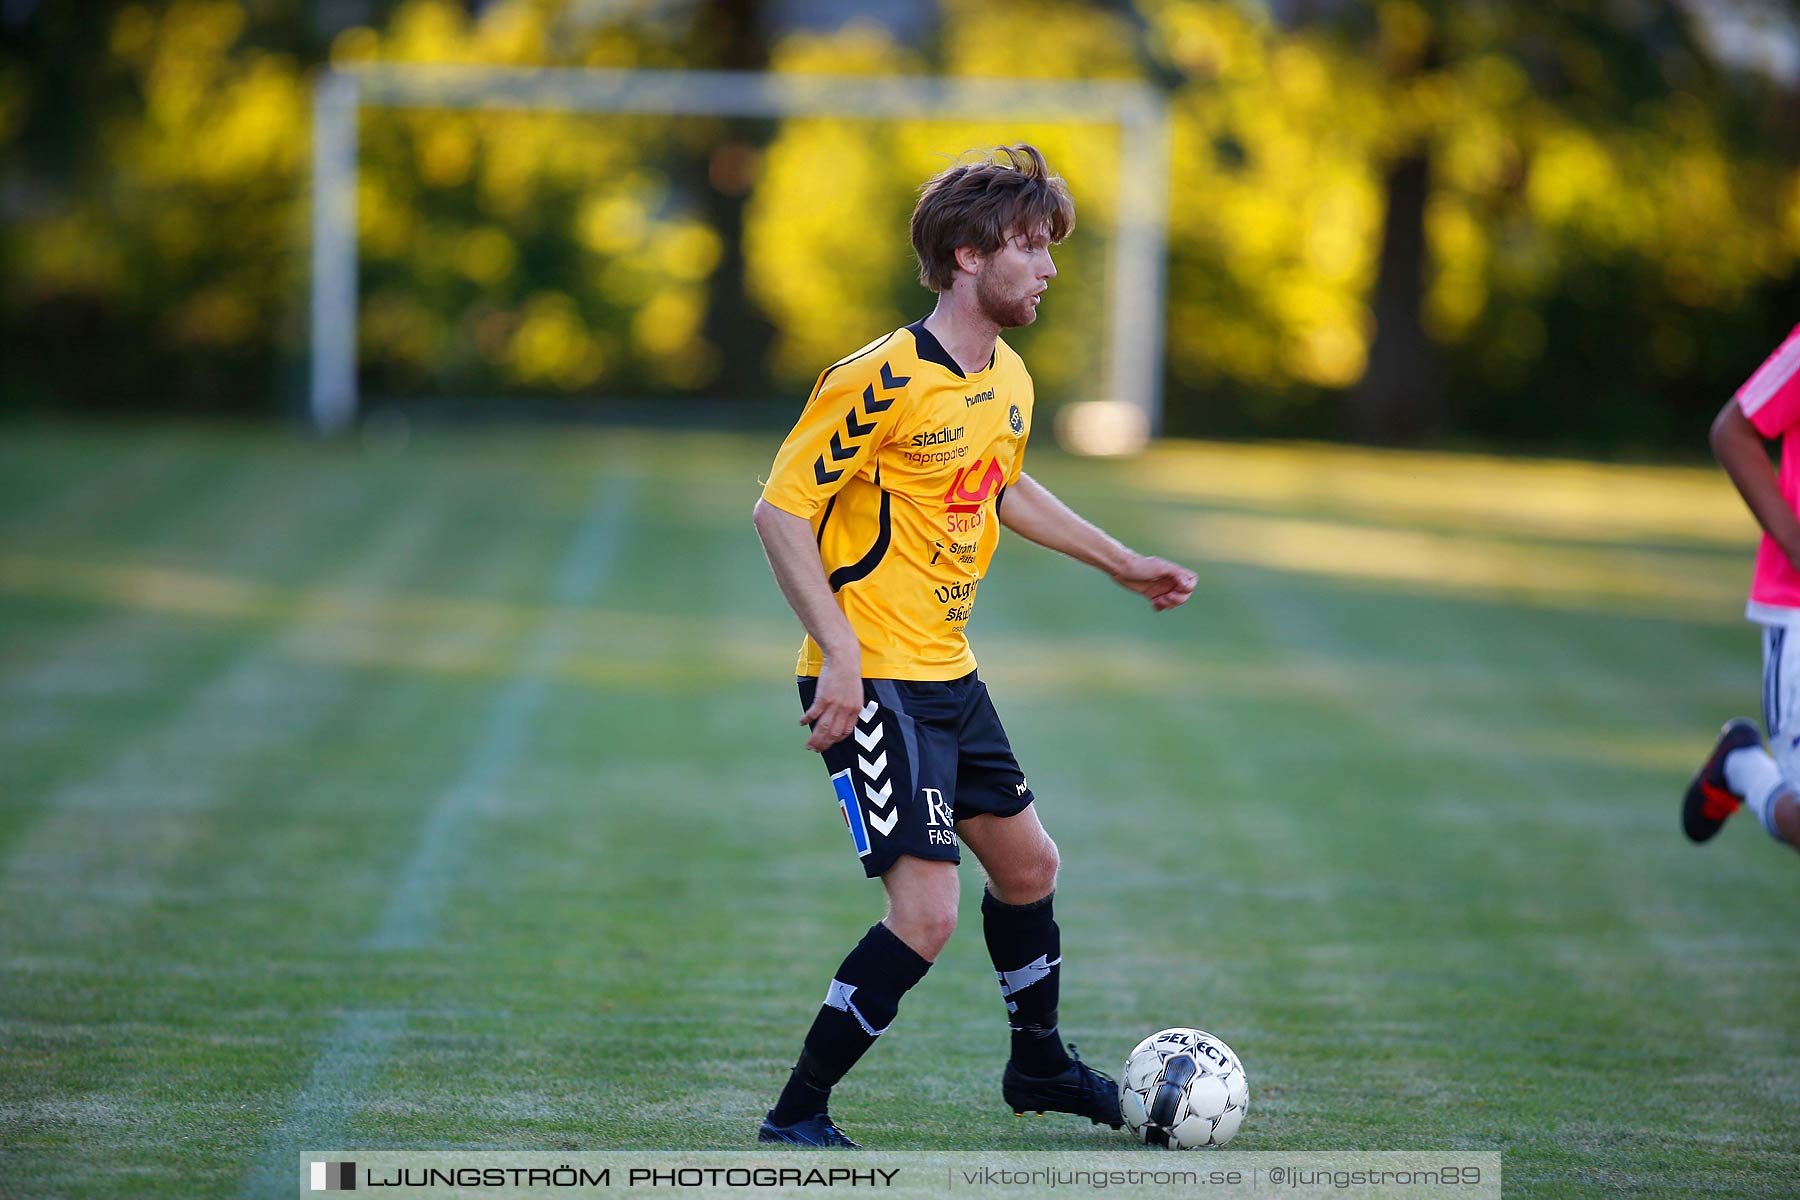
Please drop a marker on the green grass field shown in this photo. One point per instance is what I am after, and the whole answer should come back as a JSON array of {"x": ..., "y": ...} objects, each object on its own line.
[{"x": 454, "y": 797}]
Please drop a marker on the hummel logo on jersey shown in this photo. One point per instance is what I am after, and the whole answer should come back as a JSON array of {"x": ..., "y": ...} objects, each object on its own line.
[
  {"x": 878, "y": 791},
  {"x": 1019, "y": 787},
  {"x": 978, "y": 398}
]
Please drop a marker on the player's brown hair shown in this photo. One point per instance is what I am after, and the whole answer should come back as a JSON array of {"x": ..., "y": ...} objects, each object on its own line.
[{"x": 1007, "y": 190}]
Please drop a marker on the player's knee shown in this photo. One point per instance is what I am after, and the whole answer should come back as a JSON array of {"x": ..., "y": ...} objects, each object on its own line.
[
  {"x": 926, "y": 929},
  {"x": 1027, "y": 879},
  {"x": 1786, "y": 818},
  {"x": 1040, "y": 873},
  {"x": 938, "y": 928}
]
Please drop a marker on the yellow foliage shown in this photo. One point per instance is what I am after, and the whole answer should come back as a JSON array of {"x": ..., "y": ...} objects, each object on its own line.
[
  {"x": 686, "y": 252},
  {"x": 1406, "y": 31},
  {"x": 551, "y": 346},
  {"x": 67, "y": 253},
  {"x": 133, "y": 36},
  {"x": 384, "y": 224},
  {"x": 1213, "y": 43},
  {"x": 1048, "y": 39},
  {"x": 826, "y": 242},
  {"x": 669, "y": 322},
  {"x": 1281, "y": 142},
  {"x": 822, "y": 223},
  {"x": 428, "y": 31},
  {"x": 446, "y": 150},
  {"x": 486, "y": 255},
  {"x": 217, "y": 316},
  {"x": 614, "y": 222},
  {"x": 248, "y": 128},
  {"x": 512, "y": 33},
  {"x": 1791, "y": 211},
  {"x": 1568, "y": 171},
  {"x": 355, "y": 45},
  {"x": 1458, "y": 290},
  {"x": 1331, "y": 354},
  {"x": 399, "y": 326}
]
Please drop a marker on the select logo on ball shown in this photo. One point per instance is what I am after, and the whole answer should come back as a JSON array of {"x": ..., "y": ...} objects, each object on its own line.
[{"x": 1183, "y": 1089}]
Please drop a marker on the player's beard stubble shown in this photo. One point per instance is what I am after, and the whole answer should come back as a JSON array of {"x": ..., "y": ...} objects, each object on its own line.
[{"x": 1008, "y": 310}]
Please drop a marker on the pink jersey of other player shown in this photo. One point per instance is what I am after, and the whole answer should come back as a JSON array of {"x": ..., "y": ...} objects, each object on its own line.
[{"x": 1771, "y": 400}]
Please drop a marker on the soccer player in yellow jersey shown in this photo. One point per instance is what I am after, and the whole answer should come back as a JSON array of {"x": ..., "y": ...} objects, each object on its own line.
[{"x": 879, "y": 519}]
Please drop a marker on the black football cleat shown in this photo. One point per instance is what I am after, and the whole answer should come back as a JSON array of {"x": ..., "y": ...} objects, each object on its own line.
[
  {"x": 1079, "y": 1089},
  {"x": 1709, "y": 799},
  {"x": 817, "y": 1132}
]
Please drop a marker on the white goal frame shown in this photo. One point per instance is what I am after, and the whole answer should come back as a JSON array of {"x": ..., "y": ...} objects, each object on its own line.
[{"x": 1134, "y": 326}]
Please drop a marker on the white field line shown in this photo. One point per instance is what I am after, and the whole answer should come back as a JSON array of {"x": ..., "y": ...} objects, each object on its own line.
[{"x": 353, "y": 1052}]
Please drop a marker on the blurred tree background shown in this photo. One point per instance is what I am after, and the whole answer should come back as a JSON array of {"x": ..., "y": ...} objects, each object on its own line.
[{"x": 1569, "y": 227}]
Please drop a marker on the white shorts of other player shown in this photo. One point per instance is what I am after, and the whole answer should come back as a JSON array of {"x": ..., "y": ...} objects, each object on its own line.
[{"x": 1781, "y": 706}]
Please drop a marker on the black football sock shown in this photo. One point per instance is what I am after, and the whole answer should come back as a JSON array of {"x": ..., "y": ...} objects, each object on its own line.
[
  {"x": 1026, "y": 947},
  {"x": 859, "y": 1006}
]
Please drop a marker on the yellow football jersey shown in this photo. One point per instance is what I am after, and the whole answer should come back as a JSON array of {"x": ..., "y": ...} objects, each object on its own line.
[{"x": 899, "y": 461}]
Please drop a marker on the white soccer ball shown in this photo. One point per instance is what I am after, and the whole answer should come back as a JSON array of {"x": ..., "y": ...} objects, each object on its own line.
[{"x": 1183, "y": 1089}]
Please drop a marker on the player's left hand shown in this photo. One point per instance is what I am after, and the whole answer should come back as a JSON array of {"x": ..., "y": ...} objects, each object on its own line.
[{"x": 1164, "y": 583}]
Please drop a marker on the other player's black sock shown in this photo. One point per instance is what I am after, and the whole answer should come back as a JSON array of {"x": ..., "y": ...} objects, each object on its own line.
[
  {"x": 1026, "y": 947},
  {"x": 859, "y": 1006}
]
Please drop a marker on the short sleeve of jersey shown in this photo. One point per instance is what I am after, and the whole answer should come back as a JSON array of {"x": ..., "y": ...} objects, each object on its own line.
[
  {"x": 841, "y": 428},
  {"x": 1771, "y": 397}
]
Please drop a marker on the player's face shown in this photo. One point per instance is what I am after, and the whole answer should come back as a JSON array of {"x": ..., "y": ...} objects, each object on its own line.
[{"x": 1011, "y": 279}]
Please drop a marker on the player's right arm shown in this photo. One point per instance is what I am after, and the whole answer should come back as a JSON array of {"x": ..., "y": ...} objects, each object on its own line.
[
  {"x": 1767, "y": 406},
  {"x": 1740, "y": 450},
  {"x": 800, "y": 572},
  {"x": 843, "y": 425}
]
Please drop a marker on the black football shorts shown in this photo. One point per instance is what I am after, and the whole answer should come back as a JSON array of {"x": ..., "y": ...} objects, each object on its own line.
[{"x": 923, "y": 756}]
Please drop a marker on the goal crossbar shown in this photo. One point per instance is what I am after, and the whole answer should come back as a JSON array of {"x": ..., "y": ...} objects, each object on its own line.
[{"x": 1134, "y": 333}]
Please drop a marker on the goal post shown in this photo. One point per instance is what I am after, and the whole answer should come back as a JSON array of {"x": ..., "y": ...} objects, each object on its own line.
[{"x": 1130, "y": 410}]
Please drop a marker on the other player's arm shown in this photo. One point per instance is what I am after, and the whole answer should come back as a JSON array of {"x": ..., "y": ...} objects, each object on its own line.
[
  {"x": 1030, "y": 510},
  {"x": 794, "y": 557},
  {"x": 1738, "y": 446}
]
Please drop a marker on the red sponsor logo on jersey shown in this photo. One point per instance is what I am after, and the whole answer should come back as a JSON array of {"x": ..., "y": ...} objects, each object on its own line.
[{"x": 974, "y": 485}]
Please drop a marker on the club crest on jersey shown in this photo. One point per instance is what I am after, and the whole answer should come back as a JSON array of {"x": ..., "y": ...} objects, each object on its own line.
[{"x": 1016, "y": 421}]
